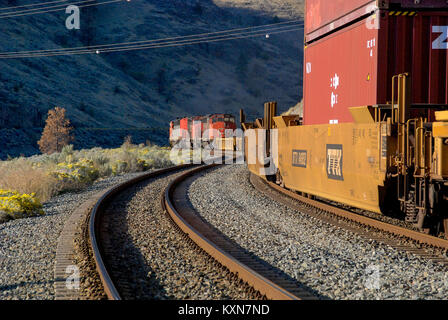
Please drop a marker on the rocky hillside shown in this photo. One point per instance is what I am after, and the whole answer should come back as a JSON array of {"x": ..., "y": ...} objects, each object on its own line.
[
  {"x": 288, "y": 9},
  {"x": 111, "y": 95}
]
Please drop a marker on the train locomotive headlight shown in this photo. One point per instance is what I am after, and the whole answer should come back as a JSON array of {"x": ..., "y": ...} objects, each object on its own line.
[{"x": 445, "y": 142}]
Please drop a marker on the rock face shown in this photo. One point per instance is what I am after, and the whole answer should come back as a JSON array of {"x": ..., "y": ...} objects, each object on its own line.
[
  {"x": 296, "y": 110},
  {"x": 281, "y": 8},
  {"x": 111, "y": 95}
]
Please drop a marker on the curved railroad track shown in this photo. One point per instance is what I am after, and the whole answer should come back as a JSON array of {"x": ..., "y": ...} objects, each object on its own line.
[
  {"x": 421, "y": 244},
  {"x": 95, "y": 224},
  {"x": 260, "y": 279},
  {"x": 249, "y": 269}
]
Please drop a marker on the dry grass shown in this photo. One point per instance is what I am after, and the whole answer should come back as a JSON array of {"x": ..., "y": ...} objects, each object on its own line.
[
  {"x": 23, "y": 178},
  {"x": 69, "y": 170}
]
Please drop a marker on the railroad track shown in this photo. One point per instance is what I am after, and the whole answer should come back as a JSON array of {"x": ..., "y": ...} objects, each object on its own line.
[
  {"x": 95, "y": 226},
  {"x": 261, "y": 279},
  {"x": 421, "y": 244}
]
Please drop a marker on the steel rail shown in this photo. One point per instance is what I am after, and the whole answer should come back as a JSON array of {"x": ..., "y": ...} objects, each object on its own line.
[
  {"x": 95, "y": 223},
  {"x": 419, "y": 237},
  {"x": 218, "y": 249}
]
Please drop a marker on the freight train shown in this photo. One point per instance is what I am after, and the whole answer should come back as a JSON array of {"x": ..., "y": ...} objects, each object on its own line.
[
  {"x": 374, "y": 130},
  {"x": 209, "y": 129}
]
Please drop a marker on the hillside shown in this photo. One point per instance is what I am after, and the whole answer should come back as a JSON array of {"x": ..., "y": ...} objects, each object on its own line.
[
  {"x": 111, "y": 95},
  {"x": 287, "y": 9}
]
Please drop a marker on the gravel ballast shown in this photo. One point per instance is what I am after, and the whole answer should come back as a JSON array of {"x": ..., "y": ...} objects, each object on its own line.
[
  {"x": 336, "y": 263},
  {"x": 28, "y": 246},
  {"x": 150, "y": 259}
]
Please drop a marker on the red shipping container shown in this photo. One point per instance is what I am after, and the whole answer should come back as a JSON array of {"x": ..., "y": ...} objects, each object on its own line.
[
  {"x": 331, "y": 14},
  {"x": 354, "y": 66},
  {"x": 324, "y": 16}
]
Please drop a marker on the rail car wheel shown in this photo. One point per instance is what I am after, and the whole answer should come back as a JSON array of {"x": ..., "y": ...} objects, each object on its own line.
[
  {"x": 279, "y": 179},
  {"x": 445, "y": 227},
  {"x": 438, "y": 218},
  {"x": 445, "y": 211}
]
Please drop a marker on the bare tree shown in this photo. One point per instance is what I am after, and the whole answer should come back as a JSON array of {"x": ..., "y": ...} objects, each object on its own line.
[{"x": 57, "y": 132}]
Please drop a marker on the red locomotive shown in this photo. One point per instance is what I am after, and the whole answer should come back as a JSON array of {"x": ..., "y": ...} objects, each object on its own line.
[{"x": 204, "y": 128}]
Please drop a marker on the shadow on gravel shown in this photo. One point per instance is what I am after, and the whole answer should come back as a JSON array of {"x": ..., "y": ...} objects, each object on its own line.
[
  {"x": 269, "y": 269},
  {"x": 24, "y": 284},
  {"x": 134, "y": 279}
]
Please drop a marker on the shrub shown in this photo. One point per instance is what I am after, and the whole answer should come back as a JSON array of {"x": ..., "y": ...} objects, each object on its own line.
[
  {"x": 101, "y": 163},
  {"x": 127, "y": 143},
  {"x": 119, "y": 167},
  {"x": 44, "y": 176},
  {"x": 81, "y": 172},
  {"x": 17, "y": 205}
]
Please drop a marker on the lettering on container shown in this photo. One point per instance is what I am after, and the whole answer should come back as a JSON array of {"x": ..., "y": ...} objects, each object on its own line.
[
  {"x": 334, "y": 84},
  {"x": 370, "y": 45},
  {"x": 442, "y": 41},
  {"x": 299, "y": 158},
  {"x": 334, "y": 162},
  {"x": 308, "y": 67}
]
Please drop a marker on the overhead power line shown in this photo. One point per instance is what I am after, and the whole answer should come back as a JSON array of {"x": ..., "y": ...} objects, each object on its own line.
[
  {"x": 94, "y": 47},
  {"x": 79, "y": 4},
  {"x": 141, "y": 47},
  {"x": 60, "y": 6},
  {"x": 32, "y": 5},
  {"x": 161, "y": 43}
]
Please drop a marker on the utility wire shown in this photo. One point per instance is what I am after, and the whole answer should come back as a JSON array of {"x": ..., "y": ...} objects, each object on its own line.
[
  {"x": 132, "y": 48},
  {"x": 160, "y": 43},
  {"x": 13, "y": 15},
  {"x": 298, "y": 22},
  {"x": 61, "y": 6},
  {"x": 32, "y": 5},
  {"x": 146, "y": 47}
]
